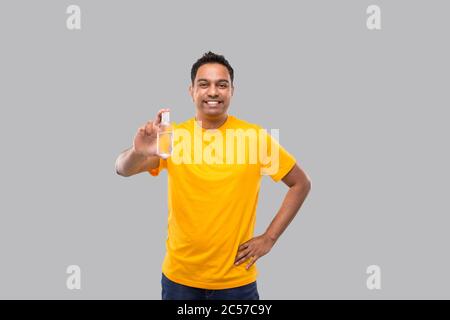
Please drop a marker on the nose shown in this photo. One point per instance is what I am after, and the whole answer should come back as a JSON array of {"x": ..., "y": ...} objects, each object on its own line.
[{"x": 212, "y": 91}]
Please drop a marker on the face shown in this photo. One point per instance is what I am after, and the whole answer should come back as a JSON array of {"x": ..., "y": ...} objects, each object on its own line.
[{"x": 212, "y": 90}]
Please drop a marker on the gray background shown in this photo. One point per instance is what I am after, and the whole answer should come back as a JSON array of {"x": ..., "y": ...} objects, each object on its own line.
[{"x": 364, "y": 112}]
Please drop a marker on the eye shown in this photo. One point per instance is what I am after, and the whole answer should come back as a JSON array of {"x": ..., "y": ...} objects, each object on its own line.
[
  {"x": 203, "y": 85},
  {"x": 223, "y": 85}
]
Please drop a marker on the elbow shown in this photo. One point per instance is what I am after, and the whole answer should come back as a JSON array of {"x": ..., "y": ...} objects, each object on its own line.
[
  {"x": 307, "y": 185},
  {"x": 303, "y": 186},
  {"x": 118, "y": 171},
  {"x": 122, "y": 173}
]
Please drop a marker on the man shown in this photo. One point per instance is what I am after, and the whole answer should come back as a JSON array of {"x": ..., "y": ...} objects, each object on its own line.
[{"x": 211, "y": 251}]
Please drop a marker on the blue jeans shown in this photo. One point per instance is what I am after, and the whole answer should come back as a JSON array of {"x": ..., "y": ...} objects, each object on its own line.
[{"x": 175, "y": 291}]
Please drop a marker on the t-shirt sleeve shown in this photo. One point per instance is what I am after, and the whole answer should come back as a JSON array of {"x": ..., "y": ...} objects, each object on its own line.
[
  {"x": 276, "y": 161},
  {"x": 162, "y": 165}
]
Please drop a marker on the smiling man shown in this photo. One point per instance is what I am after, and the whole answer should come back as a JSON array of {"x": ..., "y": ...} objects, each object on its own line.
[{"x": 210, "y": 248}]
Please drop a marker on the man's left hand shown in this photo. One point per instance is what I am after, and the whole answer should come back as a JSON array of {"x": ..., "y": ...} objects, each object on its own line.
[{"x": 253, "y": 249}]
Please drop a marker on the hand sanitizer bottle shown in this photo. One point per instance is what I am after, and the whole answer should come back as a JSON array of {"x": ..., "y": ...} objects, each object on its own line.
[{"x": 164, "y": 137}]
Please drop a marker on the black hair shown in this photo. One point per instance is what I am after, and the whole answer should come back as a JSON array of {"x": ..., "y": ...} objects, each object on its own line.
[{"x": 211, "y": 57}]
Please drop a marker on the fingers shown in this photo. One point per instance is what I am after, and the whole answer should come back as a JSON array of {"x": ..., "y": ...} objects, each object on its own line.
[
  {"x": 243, "y": 246},
  {"x": 241, "y": 257},
  {"x": 243, "y": 253},
  {"x": 148, "y": 128},
  {"x": 252, "y": 261},
  {"x": 251, "y": 250},
  {"x": 141, "y": 130},
  {"x": 246, "y": 255}
]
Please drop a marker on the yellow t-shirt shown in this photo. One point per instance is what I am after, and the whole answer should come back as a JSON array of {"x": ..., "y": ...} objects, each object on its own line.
[{"x": 213, "y": 187}]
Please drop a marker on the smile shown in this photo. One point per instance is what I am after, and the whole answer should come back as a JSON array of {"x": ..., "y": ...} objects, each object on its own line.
[{"x": 212, "y": 103}]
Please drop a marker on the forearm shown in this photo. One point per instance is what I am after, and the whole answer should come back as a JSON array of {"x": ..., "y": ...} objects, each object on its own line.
[
  {"x": 289, "y": 208},
  {"x": 129, "y": 162}
]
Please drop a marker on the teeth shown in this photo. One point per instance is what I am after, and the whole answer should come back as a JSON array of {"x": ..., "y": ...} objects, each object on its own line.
[{"x": 212, "y": 103}]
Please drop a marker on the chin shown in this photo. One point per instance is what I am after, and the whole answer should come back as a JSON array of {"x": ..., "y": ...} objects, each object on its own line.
[{"x": 213, "y": 112}]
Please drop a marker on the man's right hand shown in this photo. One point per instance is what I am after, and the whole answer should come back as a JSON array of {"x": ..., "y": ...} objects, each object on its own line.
[{"x": 145, "y": 139}]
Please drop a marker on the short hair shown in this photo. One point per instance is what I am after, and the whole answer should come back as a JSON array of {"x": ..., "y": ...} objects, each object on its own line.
[{"x": 211, "y": 57}]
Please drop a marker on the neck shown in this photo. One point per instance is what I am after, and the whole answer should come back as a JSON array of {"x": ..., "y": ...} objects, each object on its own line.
[{"x": 211, "y": 123}]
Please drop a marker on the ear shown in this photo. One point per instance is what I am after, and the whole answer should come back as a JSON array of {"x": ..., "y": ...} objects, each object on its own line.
[
  {"x": 191, "y": 92},
  {"x": 232, "y": 90}
]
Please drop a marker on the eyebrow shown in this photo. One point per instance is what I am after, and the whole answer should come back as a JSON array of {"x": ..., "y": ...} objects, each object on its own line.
[{"x": 220, "y": 80}]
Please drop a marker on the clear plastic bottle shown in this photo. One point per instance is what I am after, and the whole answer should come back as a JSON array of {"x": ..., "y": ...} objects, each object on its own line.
[{"x": 164, "y": 137}]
